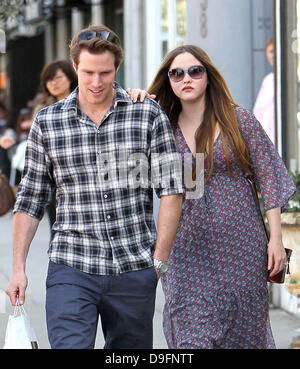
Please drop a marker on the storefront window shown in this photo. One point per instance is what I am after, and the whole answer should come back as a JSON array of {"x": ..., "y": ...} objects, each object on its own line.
[
  {"x": 296, "y": 49},
  {"x": 181, "y": 21},
  {"x": 164, "y": 26},
  {"x": 288, "y": 81},
  {"x": 173, "y": 24},
  {"x": 164, "y": 16}
]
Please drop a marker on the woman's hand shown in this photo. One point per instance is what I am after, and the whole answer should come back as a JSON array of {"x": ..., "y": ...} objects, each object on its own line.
[
  {"x": 142, "y": 94},
  {"x": 276, "y": 253},
  {"x": 276, "y": 256}
]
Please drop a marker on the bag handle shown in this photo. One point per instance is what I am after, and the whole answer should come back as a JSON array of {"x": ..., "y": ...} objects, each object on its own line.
[
  {"x": 250, "y": 179},
  {"x": 19, "y": 309}
]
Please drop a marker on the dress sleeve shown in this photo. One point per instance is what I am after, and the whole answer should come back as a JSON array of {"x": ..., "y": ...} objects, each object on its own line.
[{"x": 270, "y": 173}]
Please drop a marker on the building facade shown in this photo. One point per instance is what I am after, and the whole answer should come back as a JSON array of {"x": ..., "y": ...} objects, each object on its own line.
[
  {"x": 232, "y": 32},
  {"x": 287, "y": 20}
]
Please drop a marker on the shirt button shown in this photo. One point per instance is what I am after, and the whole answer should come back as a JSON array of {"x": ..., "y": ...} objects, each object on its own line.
[
  {"x": 108, "y": 217},
  {"x": 105, "y": 196},
  {"x": 112, "y": 238}
]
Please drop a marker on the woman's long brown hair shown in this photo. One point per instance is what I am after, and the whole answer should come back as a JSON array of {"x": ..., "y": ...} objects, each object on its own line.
[{"x": 220, "y": 108}]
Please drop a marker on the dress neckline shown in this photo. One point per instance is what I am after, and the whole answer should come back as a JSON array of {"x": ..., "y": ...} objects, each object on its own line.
[{"x": 185, "y": 142}]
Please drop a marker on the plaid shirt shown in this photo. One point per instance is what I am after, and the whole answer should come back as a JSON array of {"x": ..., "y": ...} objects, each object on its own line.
[{"x": 104, "y": 222}]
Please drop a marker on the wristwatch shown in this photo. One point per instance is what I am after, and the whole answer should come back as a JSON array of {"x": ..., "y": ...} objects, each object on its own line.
[{"x": 161, "y": 266}]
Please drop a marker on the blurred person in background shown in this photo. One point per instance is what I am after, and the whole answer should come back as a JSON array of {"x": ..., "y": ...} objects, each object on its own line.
[
  {"x": 14, "y": 142},
  {"x": 4, "y": 143},
  {"x": 264, "y": 108},
  {"x": 58, "y": 80},
  {"x": 3, "y": 117}
]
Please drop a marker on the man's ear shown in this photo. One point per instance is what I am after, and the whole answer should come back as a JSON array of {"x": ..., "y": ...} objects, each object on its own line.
[{"x": 75, "y": 67}]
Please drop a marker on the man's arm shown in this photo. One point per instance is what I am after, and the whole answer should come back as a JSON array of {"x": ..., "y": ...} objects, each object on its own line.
[
  {"x": 168, "y": 220},
  {"x": 166, "y": 176},
  {"x": 24, "y": 229}
]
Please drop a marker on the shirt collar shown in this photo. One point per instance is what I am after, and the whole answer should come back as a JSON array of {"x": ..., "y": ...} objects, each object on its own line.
[
  {"x": 70, "y": 102},
  {"x": 121, "y": 96}
]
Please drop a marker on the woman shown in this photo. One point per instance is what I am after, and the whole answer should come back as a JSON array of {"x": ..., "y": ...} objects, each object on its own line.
[
  {"x": 58, "y": 80},
  {"x": 216, "y": 287}
]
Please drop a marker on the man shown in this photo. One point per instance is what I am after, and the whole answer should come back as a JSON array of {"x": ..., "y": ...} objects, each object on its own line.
[
  {"x": 264, "y": 108},
  {"x": 101, "y": 256}
]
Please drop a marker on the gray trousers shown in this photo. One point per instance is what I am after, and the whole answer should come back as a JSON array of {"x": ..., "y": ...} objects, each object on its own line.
[{"x": 125, "y": 304}]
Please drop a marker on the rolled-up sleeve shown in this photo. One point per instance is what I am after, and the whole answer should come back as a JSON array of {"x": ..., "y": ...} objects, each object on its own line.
[
  {"x": 166, "y": 162},
  {"x": 35, "y": 187}
]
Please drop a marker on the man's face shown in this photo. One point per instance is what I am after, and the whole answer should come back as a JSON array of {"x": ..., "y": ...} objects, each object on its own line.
[
  {"x": 270, "y": 54},
  {"x": 96, "y": 76}
]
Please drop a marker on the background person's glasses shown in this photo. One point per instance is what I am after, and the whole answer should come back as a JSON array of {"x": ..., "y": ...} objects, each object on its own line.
[
  {"x": 195, "y": 72},
  {"x": 55, "y": 79},
  {"x": 103, "y": 35}
]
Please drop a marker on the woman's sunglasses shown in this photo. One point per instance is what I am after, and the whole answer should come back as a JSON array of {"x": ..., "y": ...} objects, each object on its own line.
[{"x": 195, "y": 72}]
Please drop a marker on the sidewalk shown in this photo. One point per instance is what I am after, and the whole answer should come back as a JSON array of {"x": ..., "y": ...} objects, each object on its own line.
[{"x": 285, "y": 326}]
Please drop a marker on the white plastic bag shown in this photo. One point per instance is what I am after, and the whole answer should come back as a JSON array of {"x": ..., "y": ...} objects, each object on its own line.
[{"x": 19, "y": 332}]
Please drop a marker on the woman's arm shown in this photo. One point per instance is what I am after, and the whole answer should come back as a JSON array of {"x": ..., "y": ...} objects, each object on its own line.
[{"x": 142, "y": 94}]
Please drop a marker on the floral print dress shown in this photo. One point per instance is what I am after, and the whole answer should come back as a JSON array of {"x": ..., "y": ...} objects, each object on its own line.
[{"x": 216, "y": 293}]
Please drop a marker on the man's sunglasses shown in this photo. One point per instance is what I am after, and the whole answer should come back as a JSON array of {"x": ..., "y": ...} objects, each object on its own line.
[
  {"x": 195, "y": 72},
  {"x": 103, "y": 35}
]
